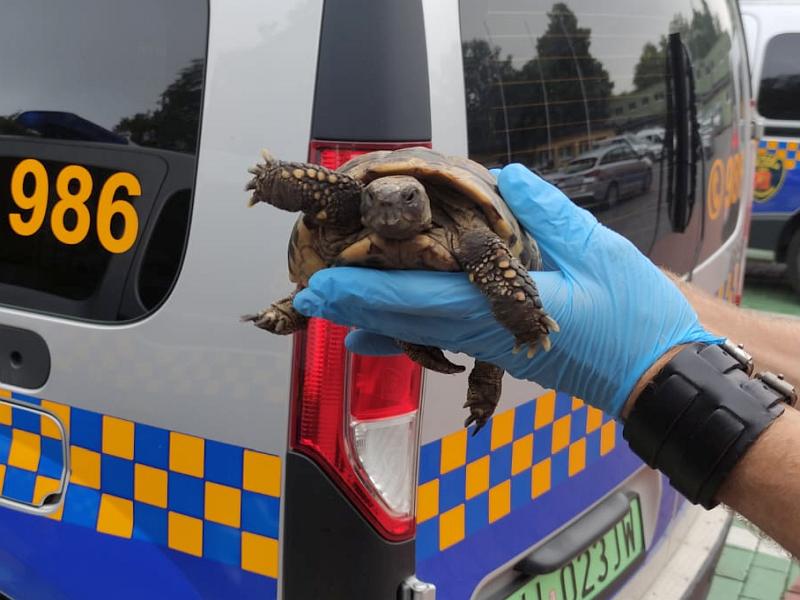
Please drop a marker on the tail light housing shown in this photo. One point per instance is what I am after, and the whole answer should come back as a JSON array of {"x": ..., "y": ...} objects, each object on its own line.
[{"x": 357, "y": 416}]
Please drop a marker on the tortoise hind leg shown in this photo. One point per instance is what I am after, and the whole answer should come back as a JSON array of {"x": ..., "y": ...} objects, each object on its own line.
[
  {"x": 281, "y": 317},
  {"x": 506, "y": 283},
  {"x": 483, "y": 394},
  {"x": 430, "y": 358}
]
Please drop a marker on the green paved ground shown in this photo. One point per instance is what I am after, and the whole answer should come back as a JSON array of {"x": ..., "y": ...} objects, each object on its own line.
[
  {"x": 751, "y": 566},
  {"x": 765, "y": 288}
]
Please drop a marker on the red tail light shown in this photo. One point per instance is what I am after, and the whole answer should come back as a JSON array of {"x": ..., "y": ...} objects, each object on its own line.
[{"x": 356, "y": 416}]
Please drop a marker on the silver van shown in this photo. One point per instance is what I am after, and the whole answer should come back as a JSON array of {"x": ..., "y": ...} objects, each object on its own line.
[{"x": 151, "y": 446}]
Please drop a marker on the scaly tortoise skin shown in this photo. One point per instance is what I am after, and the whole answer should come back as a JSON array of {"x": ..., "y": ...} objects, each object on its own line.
[{"x": 412, "y": 208}]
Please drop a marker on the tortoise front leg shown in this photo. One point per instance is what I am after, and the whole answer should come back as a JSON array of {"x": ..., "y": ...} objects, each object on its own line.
[
  {"x": 281, "y": 317},
  {"x": 430, "y": 358},
  {"x": 506, "y": 283},
  {"x": 324, "y": 196},
  {"x": 483, "y": 394}
]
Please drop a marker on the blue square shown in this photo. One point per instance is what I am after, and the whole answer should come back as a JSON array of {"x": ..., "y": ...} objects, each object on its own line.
[
  {"x": 563, "y": 405},
  {"x": 478, "y": 445},
  {"x": 559, "y": 467},
  {"x": 26, "y": 420},
  {"x": 782, "y": 145},
  {"x": 86, "y": 429},
  {"x": 521, "y": 489},
  {"x": 18, "y": 484},
  {"x": 260, "y": 514},
  {"x": 185, "y": 494},
  {"x": 51, "y": 463},
  {"x": 223, "y": 463},
  {"x": 577, "y": 428},
  {"x": 500, "y": 465},
  {"x": 452, "y": 489},
  {"x": 25, "y": 398},
  {"x": 222, "y": 543},
  {"x": 542, "y": 444},
  {"x": 116, "y": 476},
  {"x": 429, "y": 459},
  {"x": 523, "y": 419},
  {"x": 5, "y": 443},
  {"x": 427, "y": 539},
  {"x": 149, "y": 523},
  {"x": 477, "y": 513},
  {"x": 151, "y": 446},
  {"x": 593, "y": 446},
  {"x": 81, "y": 506}
]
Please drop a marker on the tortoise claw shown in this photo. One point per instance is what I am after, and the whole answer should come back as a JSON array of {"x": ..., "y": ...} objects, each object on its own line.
[{"x": 551, "y": 324}]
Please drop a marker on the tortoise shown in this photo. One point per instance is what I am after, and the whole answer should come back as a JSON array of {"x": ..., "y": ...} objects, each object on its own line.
[{"x": 412, "y": 208}]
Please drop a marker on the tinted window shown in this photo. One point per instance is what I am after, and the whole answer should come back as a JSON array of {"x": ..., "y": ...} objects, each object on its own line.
[
  {"x": 780, "y": 79},
  {"x": 99, "y": 125},
  {"x": 545, "y": 80}
]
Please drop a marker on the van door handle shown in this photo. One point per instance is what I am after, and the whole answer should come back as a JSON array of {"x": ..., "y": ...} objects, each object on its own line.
[{"x": 576, "y": 538}]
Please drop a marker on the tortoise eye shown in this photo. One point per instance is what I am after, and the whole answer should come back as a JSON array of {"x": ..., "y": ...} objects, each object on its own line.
[{"x": 408, "y": 196}]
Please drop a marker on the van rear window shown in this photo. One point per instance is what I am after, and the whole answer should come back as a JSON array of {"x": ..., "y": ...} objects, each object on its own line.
[
  {"x": 99, "y": 123},
  {"x": 780, "y": 79}
]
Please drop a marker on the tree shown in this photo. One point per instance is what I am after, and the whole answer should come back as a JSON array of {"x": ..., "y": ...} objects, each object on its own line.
[{"x": 174, "y": 124}]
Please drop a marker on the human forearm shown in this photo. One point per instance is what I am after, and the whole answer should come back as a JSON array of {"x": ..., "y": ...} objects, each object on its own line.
[
  {"x": 774, "y": 342},
  {"x": 765, "y": 486}
]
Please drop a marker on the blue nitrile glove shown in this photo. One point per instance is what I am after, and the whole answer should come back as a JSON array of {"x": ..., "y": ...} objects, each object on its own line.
[{"x": 617, "y": 312}]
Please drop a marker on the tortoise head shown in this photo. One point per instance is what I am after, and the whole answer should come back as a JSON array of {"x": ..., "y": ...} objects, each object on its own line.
[{"x": 396, "y": 207}]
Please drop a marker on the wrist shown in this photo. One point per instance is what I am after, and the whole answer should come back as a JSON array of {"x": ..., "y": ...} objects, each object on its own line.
[{"x": 647, "y": 377}]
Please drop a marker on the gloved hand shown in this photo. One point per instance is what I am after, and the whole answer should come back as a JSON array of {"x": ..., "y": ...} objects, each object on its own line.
[{"x": 617, "y": 312}]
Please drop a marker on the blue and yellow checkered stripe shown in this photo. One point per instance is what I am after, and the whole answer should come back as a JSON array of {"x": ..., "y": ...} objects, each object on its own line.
[
  {"x": 197, "y": 496},
  {"x": 469, "y": 482},
  {"x": 787, "y": 151}
]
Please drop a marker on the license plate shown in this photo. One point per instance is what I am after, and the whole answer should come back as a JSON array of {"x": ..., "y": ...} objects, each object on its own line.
[{"x": 590, "y": 573}]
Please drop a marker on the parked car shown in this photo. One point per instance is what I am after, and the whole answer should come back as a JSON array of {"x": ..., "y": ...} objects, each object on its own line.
[
  {"x": 151, "y": 446},
  {"x": 640, "y": 146},
  {"x": 602, "y": 177},
  {"x": 773, "y": 39}
]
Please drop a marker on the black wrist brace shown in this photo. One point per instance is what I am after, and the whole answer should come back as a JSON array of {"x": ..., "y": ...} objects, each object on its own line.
[{"x": 700, "y": 414}]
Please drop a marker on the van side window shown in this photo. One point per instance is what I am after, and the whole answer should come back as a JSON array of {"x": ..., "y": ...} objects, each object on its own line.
[
  {"x": 779, "y": 88},
  {"x": 98, "y": 150}
]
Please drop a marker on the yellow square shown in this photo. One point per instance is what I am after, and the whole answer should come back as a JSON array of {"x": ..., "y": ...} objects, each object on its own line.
[
  {"x": 262, "y": 473},
  {"x": 5, "y": 414},
  {"x": 427, "y": 500},
  {"x": 223, "y": 504},
  {"x": 85, "y": 466},
  {"x": 561, "y": 433},
  {"x": 186, "y": 454},
  {"x": 185, "y": 534},
  {"x": 477, "y": 477},
  {"x": 792, "y": 145},
  {"x": 522, "y": 454},
  {"x": 451, "y": 527},
  {"x": 608, "y": 437},
  {"x": 577, "y": 457},
  {"x": 789, "y": 164},
  {"x": 4, "y": 393},
  {"x": 540, "y": 478},
  {"x": 772, "y": 144},
  {"x": 116, "y": 516},
  {"x": 502, "y": 429},
  {"x": 2, "y": 476},
  {"x": 577, "y": 403},
  {"x": 118, "y": 438},
  {"x": 780, "y": 154},
  {"x": 260, "y": 554},
  {"x": 594, "y": 418},
  {"x": 545, "y": 409},
  {"x": 62, "y": 413},
  {"x": 454, "y": 451},
  {"x": 43, "y": 487},
  {"x": 499, "y": 501},
  {"x": 26, "y": 449},
  {"x": 150, "y": 485}
]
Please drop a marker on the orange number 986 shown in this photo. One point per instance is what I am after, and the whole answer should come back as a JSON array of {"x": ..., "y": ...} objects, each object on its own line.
[{"x": 72, "y": 198}]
